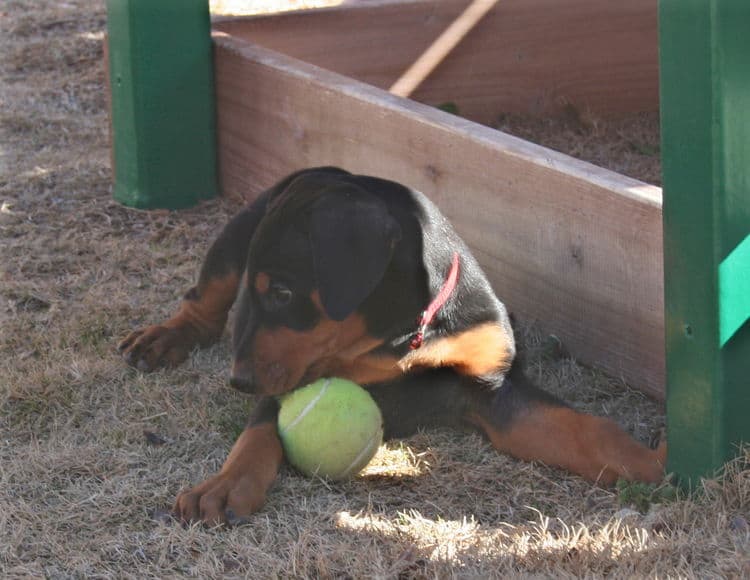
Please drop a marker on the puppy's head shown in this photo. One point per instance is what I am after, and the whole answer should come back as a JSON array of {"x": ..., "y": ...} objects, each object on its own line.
[{"x": 318, "y": 254}]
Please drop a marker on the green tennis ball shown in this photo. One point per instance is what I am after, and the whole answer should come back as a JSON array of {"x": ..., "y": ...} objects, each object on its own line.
[{"x": 331, "y": 428}]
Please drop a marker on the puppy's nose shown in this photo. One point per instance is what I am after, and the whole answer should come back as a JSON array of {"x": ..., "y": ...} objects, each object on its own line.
[
  {"x": 242, "y": 382},
  {"x": 241, "y": 376}
]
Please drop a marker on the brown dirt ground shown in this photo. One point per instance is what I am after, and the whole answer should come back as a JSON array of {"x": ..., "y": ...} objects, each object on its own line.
[{"x": 81, "y": 478}]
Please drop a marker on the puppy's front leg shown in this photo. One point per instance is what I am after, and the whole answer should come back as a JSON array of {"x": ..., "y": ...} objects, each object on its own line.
[{"x": 240, "y": 487}]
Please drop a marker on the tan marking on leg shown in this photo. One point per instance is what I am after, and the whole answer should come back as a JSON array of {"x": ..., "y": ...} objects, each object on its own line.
[
  {"x": 207, "y": 314},
  {"x": 593, "y": 447},
  {"x": 478, "y": 351},
  {"x": 241, "y": 485}
]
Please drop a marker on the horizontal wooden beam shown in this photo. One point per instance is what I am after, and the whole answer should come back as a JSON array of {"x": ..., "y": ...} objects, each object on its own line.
[
  {"x": 524, "y": 56},
  {"x": 576, "y": 247}
]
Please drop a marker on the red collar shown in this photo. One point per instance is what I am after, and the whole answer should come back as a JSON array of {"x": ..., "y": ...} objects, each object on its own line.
[{"x": 427, "y": 316}]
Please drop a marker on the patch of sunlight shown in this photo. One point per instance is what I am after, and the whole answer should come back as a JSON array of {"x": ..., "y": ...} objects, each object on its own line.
[
  {"x": 98, "y": 35},
  {"x": 240, "y": 7},
  {"x": 439, "y": 539},
  {"x": 37, "y": 171},
  {"x": 397, "y": 460}
]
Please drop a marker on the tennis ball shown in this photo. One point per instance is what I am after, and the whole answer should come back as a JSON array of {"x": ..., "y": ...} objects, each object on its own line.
[{"x": 331, "y": 428}]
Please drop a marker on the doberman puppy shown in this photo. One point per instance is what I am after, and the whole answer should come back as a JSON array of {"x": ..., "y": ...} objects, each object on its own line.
[{"x": 358, "y": 277}]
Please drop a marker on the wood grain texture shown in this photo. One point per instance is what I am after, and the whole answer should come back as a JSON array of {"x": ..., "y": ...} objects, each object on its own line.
[
  {"x": 525, "y": 56},
  {"x": 576, "y": 247}
]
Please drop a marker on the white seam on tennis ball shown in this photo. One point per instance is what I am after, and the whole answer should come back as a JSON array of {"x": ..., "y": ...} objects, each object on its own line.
[
  {"x": 308, "y": 407},
  {"x": 374, "y": 442}
]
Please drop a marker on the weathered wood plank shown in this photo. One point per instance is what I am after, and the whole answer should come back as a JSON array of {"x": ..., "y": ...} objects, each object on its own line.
[
  {"x": 528, "y": 56},
  {"x": 576, "y": 247}
]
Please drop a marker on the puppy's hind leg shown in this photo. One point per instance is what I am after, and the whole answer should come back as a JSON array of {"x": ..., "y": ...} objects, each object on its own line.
[{"x": 527, "y": 423}]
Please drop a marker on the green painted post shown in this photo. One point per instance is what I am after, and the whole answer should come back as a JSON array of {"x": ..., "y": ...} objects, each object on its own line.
[
  {"x": 163, "y": 112},
  {"x": 705, "y": 112}
]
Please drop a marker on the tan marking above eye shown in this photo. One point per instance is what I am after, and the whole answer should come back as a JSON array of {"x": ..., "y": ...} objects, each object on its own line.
[{"x": 262, "y": 282}]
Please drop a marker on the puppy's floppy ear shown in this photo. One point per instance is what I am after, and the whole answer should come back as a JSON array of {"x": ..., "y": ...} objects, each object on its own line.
[{"x": 353, "y": 236}]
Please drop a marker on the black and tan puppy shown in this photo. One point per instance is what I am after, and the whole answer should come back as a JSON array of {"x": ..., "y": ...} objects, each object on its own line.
[{"x": 358, "y": 277}]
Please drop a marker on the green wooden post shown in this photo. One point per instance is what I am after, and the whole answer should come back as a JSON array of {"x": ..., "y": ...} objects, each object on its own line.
[
  {"x": 705, "y": 112},
  {"x": 163, "y": 112}
]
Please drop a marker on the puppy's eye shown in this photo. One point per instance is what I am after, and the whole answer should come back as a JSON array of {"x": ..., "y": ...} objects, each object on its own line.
[{"x": 278, "y": 296}]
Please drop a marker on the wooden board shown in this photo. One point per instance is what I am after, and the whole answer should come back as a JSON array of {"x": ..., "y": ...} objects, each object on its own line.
[
  {"x": 528, "y": 56},
  {"x": 573, "y": 246}
]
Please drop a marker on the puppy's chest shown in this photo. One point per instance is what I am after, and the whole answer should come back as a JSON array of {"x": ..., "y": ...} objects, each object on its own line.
[{"x": 479, "y": 351}]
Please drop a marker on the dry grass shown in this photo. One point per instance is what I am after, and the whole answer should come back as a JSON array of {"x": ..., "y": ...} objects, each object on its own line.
[
  {"x": 629, "y": 145},
  {"x": 83, "y": 476}
]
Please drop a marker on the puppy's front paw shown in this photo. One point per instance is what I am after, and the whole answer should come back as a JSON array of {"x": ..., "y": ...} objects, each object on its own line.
[
  {"x": 221, "y": 499},
  {"x": 156, "y": 346}
]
